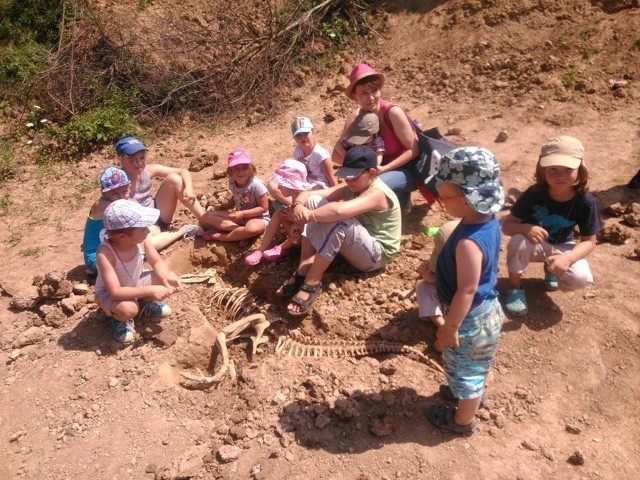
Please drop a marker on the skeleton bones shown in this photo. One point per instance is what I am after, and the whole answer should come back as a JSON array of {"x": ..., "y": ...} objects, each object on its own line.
[{"x": 258, "y": 322}]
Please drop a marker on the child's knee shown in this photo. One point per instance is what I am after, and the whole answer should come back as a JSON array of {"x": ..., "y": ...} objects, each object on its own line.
[{"x": 124, "y": 310}]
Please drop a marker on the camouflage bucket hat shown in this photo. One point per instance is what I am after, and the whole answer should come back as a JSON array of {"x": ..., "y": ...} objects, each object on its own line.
[{"x": 476, "y": 171}]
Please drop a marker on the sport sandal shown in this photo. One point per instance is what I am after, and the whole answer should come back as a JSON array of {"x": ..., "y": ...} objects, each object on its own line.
[
  {"x": 291, "y": 286},
  {"x": 516, "y": 302},
  {"x": 305, "y": 305},
  {"x": 443, "y": 417}
]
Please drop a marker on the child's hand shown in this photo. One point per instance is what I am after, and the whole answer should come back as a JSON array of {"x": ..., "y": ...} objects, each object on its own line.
[
  {"x": 425, "y": 272},
  {"x": 188, "y": 196},
  {"x": 172, "y": 281},
  {"x": 236, "y": 216},
  {"x": 159, "y": 292},
  {"x": 537, "y": 234},
  {"x": 447, "y": 336},
  {"x": 558, "y": 264}
]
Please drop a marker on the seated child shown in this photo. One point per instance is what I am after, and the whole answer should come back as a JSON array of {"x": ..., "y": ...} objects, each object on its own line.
[
  {"x": 123, "y": 289},
  {"x": 428, "y": 304},
  {"x": 364, "y": 131},
  {"x": 115, "y": 185},
  {"x": 249, "y": 201},
  {"x": 176, "y": 182},
  {"x": 291, "y": 178},
  {"x": 542, "y": 220},
  {"x": 315, "y": 158}
]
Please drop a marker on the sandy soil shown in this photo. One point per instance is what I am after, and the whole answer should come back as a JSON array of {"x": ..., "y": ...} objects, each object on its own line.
[{"x": 76, "y": 405}]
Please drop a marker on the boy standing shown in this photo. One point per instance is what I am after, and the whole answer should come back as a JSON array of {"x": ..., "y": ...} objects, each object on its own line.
[{"x": 466, "y": 272}]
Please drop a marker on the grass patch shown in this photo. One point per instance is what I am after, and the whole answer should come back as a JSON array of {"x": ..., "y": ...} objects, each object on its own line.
[
  {"x": 30, "y": 252},
  {"x": 636, "y": 43},
  {"x": 5, "y": 203},
  {"x": 15, "y": 237},
  {"x": 590, "y": 50},
  {"x": 569, "y": 79},
  {"x": 588, "y": 32}
]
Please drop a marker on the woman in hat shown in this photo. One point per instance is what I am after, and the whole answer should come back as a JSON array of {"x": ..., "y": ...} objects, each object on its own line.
[{"x": 400, "y": 140}]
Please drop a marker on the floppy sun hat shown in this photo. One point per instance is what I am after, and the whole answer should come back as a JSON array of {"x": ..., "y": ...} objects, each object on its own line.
[
  {"x": 129, "y": 214},
  {"x": 476, "y": 171},
  {"x": 358, "y": 73},
  {"x": 129, "y": 146},
  {"x": 238, "y": 156},
  {"x": 301, "y": 125},
  {"x": 563, "y": 151},
  {"x": 112, "y": 178},
  {"x": 357, "y": 160},
  {"x": 291, "y": 174},
  {"x": 363, "y": 126}
]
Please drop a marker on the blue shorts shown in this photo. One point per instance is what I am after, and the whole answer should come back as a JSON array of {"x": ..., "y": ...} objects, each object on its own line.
[{"x": 467, "y": 366}]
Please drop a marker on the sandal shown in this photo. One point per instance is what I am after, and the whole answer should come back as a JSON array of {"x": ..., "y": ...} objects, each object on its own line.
[
  {"x": 291, "y": 286},
  {"x": 211, "y": 235},
  {"x": 550, "y": 280},
  {"x": 516, "y": 303},
  {"x": 275, "y": 253},
  {"x": 253, "y": 258},
  {"x": 442, "y": 416},
  {"x": 447, "y": 394},
  {"x": 305, "y": 305}
]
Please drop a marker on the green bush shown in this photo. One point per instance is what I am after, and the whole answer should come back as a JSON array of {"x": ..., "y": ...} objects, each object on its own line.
[
  {"x": 20, "y": 63},
  {"x": 23, "y": 21}
]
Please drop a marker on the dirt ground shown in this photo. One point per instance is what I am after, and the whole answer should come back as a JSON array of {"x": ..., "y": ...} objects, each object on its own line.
[{"x": 74, "y": 404}]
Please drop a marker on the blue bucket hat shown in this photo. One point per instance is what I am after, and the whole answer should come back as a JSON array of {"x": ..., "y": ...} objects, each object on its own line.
[
  {"x": 476, "y": 171},
  {"x": 129, "y": 146}
]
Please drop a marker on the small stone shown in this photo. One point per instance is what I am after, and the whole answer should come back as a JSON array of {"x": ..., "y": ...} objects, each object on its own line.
[
  {"x": 577, "y": 458},
  {"x": 502, "y": 137},
  {"x": 573, "y": 429},
  {"x": 322, "y": 421},
  {"x": 17, "y": 435},
  {"x": 113, "y": 382},
  {"x": 81, "y": 288},
  {"x": 15, "y": 354},
  {"x": 228, "y": 453},
  {"x": 529, "y": 446}
]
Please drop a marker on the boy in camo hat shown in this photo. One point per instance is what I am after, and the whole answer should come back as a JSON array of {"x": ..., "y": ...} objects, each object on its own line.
[{"x": 466, "y": 272}]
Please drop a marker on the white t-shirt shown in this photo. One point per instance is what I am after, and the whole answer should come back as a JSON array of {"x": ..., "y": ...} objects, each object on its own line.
[{"x": 315, "y": 175}]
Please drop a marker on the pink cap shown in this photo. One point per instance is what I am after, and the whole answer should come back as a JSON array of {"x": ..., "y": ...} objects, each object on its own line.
[
  {"x": 238, "y": 156},
  {"x": 359, "y": 72}
]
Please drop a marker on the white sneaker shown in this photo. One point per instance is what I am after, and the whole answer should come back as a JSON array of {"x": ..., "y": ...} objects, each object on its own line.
[{"x": 191, "y": 231}]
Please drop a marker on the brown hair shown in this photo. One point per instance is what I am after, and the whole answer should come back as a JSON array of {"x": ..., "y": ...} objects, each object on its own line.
[
  {"x": 581, "y": 186},
  {"x": 374, "y": 81}
]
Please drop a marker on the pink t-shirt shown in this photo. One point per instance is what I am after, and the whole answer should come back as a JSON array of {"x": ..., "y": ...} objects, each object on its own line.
[{"x": 393, "y": 147}]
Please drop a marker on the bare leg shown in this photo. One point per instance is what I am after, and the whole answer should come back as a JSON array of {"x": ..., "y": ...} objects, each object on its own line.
[
  {"x": 271, "y": 231},
  {"x": 515, "y": 280},
  {"x": 161, "y": 240},
  {"x": 253, "y": 228},
  {"x": 169, "y": 193},
  {"x": 466, "y": 411}
]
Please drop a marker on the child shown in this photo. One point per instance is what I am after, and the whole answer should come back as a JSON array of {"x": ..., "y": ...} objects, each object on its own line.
[
  {"x": 428, "y": 305},
  {"x": 176, "y": 182},
  {"x": 249, "y": 198},
  {"x": 123, "y": 289},
  {"x": 315, "y": 158},
  {"x": 115, "y": 185},
  {"x": 291, "y": 178},
  {"x": 359, "y": 219},
  {"x": 542, "y": 220},
  {"x": 364, "y": 131},
  {"x": 466, "y": 274}
]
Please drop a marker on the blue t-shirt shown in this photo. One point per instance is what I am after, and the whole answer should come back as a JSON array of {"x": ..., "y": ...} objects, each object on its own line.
[
  {"x": 536, "y": 207},
  {"x": 487, "y": 236},
  {"x": 94, "y": 235}
]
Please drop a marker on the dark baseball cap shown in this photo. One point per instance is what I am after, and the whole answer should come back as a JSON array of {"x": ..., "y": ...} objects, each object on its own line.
[{"x": 357, "y": 160}]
